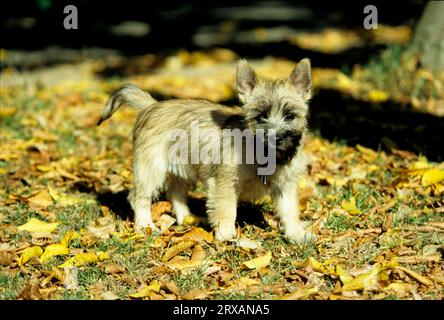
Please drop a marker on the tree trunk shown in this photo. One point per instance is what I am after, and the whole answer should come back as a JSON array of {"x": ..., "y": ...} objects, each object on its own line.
[{"x": 429, "y": 36}]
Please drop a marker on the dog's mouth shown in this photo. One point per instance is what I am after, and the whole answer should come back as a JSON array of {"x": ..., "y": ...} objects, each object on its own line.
[{"x": 286, "y": 147}]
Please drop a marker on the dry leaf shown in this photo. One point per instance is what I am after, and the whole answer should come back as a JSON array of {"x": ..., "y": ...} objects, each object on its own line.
[
  {"x": 432, "y": 176},
  {"x": 28, "y": 253},
  {"x": 69, "y": 236},
  {"x": 258, "y": 263},
  {"x": 300, "y": 293},
  {"x": 365, "y": 281},
  {"x": 154, "y": 286},
  {"x": 198, "y": 234},
  {"x": 40, "y": 200},
  {"x": 53, "y": 250},
  {"x": 36, "y": 226},
  {"x": 350, "y": 206},
  {"x": 177, "y": 248},
  {"x": 424, "y": 280},
  {"x": 102, "y": 232}
]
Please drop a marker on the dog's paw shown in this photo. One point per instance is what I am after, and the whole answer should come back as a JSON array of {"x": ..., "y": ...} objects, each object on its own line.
[
  {"x": 140, "y": 225},
  {"x": 225, "y": 233},
  {"x": 299, "y": 235}
]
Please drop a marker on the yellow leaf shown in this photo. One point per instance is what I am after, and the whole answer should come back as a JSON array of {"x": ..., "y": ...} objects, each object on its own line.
[
  {"x": 41, "y": 199},
  {"x": 28, "y": 253},
  {"x": 177, "y": 248},
  {"x": 364, "y": 281},
  {"x": 197, "y": 258},
  {"x": 432, "y": 176},
  {"x": 242, "y": 283},
  {"x": 69, "y": 236},
  {"x": 316, "y": 265},
  {"x": 258, "y": 263},
  {"x": 377, "y": 95},
  {"x": 350, "y": 206},
  {"x": 36, "y": 226},
  {"x": 416, "y": 276},
  {"x": 198, "y": 234},
  {"x": 7, "y": 111},
  {"x": 154, "y": 286},
  {"x": 53, "y": 250},
  {"x": 64, "y": 200},
  {"x": 399, "y": 288},
  {"x": 300, "y": 293},
  {"x": 80, "y": 259},
  {"x": 102, "y": 255},
  {"x": 343, "y": 275}
]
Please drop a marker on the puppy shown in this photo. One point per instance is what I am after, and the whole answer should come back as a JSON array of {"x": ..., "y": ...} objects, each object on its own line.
[{"x": 273, "y": 117}]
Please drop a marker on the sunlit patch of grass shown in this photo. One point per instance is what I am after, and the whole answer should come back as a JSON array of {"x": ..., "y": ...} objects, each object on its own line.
[
  {"x": 338, "y": 222},
  {"x": 18, "y": 214},
  {"x": 192, "y": 280},
  {"x": 89, "y": 275},
  {"x": 78, "y": 216}
]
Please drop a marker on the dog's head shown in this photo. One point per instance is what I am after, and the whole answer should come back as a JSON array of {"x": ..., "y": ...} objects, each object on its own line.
[{"x": 277, "y": 105}]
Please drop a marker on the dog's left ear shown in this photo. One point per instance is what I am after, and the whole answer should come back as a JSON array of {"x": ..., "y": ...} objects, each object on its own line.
[
  {"x": 300, "y": 78},
  {"x": 246, "y": 80}
]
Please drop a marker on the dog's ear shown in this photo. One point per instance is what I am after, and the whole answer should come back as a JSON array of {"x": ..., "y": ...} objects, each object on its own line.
[
  {"x": 300, "y": 78},
  {"x": 246, "y": 80}
]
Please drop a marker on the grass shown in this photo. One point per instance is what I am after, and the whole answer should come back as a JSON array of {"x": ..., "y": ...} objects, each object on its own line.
[{"x": 11, "y": 284}]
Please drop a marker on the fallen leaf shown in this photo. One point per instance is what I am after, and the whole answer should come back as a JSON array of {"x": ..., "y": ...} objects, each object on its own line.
[
  {"x": 69, "y": 236},
  {"x": 343, "y": 275},
  {"x": 248, "y": 243},
  {"x": 31, "y": 292},
  {"x": 197, "y": 294},
  {"x": 350, "y": 206},
  {"x": 53, "y": 250},
  {"x": 198, "y": 234},
  {"x": 112, "y": 268},
  {"x": 424, "y": 280},
  {"x": 40, "y": 200},
  {"x": 299, "y": 293},
  {"x": 6, "y": 258},
  {"x": 165, "y": 222},
  {"x": 154, "y": 286},
  {"x": 258, "y": 263},
  {"x": 28, "y": 253},
  {"x": 177, "y": 248},
  {"x": 432, "y": 176},
  {"x": 365, "y": 281},
  {"x": 36, "y": 226},
  {"x": 80, "y": 259},
  {"x": 102, "y": 232}
]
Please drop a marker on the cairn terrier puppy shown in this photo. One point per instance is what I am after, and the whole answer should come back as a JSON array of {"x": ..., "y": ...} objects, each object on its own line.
[{"x": 277, "y": 106}]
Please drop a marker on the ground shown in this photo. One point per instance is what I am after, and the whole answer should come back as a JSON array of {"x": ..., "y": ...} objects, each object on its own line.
[{"x": 66, "y": 229}]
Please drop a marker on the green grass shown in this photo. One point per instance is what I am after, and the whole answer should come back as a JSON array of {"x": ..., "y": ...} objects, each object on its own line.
[{"x": 11, "y": 284}]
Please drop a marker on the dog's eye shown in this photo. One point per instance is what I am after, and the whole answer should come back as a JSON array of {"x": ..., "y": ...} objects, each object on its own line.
[{"x": 289, "y": 117}]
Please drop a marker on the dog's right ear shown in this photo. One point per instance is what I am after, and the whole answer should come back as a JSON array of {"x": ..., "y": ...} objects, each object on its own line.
[{"x": 246, "y": 80}]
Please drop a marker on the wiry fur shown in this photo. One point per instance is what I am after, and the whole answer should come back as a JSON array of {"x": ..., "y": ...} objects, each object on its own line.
[{"x": 228, "y": 183}]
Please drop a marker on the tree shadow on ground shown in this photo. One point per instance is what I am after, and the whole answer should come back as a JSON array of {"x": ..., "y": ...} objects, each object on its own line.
[{"x": 378, "y": 126}]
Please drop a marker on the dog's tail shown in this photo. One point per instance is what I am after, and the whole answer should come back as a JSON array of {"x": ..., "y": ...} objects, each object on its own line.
[{"x": 130, "y": 95}]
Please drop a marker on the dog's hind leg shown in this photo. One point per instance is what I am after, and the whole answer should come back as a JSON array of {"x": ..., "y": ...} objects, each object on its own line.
[
  {"x": 148, "y": 177},
  {"x": 177, "y": 191}
]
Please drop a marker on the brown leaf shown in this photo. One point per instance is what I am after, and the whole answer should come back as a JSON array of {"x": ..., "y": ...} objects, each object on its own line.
[
  {"x": 40, "y": 200},
  {"x": 7, "y": 258},
  {"x": 112, "y": 268},
  {"x": 195, "y": 295},
  {"x": 159, "y": 208},
  {"x": 198, "y": 234},
  {"x": 177, "y": 248},
  {"x": 31, "y": 292}
]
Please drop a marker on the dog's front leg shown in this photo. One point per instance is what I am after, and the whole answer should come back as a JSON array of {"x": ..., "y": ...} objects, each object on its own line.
[
  {"x": 287, "y": 207},
  {"x": 222, "y": 205}
]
